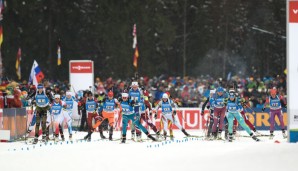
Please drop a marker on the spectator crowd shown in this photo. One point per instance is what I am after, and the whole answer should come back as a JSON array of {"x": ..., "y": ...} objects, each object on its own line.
[{"x": 188, "y": 91}]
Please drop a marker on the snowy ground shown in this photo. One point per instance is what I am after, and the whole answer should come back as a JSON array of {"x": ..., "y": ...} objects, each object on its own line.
[{"x": 182, "y": 154}]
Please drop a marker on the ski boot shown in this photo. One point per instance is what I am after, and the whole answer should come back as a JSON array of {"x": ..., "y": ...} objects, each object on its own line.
[
  {"x": 157, "y": 135},
  {"x": 70, "y": 137},
  {"x": 111, "y": 133},
  {"x": 123, "y": 139},
  {"x": 88, "y": 136},
  {"x": 44, "y": 138},
  {"x": 101, "y": 135},
  {"x": 219, "y": 136},
  {"x": 271, "y": 135},
  {"x": 171, "y": 132},
  {"x": 213, "y": 136},
  {"x": 151, "y": 137},
  {"x": 184, "y": 132},
  {"x": 234, "y": 135},
  {"x": 230, "y": 137},
  {"x": 56, "y": 138},
  {"x": 47, "y": 138},
  {"x": 62, "y": 137},
  {"x": 132, "y": 136},
  {"x": 284, "y": 134},
  {"x": 35, "y": 141},
  {"x": 255, "y": 138},
  {"x": 165, "y": 135},
  {"x": 139, "y": 138},
  {"x": 111, "y": 137},
  {"x": 257, "y": 133}
]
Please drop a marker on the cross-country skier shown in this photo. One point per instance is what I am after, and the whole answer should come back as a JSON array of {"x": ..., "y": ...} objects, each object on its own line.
[
  {"x": 211, "y": 115},
  {"x": 248, "y": 123},
  {"x": 69, "y": 101},
  {"x": 42, "y": 102},
  {"x": 128, "y": 113},
  {"x": 108, "y": 112},
  {"x": 145, "y": 110},
  {"x": 168, "y": 112},
  {"x": 56, "y": 112},
  {"x": 233, "y": 106},
  {"x": 91, "y": 109},
  {"x": 82, "y": 111},
  {"x": 275, "y": 102},
  {"x": 217, "y": 101},
  {"x": 135, "y": 94}
]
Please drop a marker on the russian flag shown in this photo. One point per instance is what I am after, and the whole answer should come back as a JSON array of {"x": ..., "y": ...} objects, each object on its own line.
[{"x": 36, "y": 74}]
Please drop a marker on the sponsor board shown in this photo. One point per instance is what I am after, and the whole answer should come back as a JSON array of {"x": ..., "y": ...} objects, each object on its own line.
[{"x": 190, "y": 118}]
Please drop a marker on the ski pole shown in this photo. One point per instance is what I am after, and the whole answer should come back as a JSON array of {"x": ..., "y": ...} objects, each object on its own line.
[{"x": 254, "y": 112}]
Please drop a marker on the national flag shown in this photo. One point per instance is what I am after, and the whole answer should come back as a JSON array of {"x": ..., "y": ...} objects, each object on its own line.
[
  {"x": 1, "y": 35},
  {"x": 18, "y": 64},
  {"x": 59, "y": 55},
  {"x": 135, "y": 57},
  {"x": 36, "y": 74},
  {"x": 1, "y": 18},
  {"x": 135, "y": 46},
  {"x": 134, "y": 34}
]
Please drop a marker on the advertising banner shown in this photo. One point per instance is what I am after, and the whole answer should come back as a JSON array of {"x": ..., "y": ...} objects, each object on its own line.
[
  {"x": 81, "y": 75},
  {"x": 292, "y": 38},
  {"x": 189, "y": 118}
]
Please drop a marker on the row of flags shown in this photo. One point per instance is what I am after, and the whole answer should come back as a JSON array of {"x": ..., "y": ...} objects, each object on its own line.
[{"x": 36, "y": 75}]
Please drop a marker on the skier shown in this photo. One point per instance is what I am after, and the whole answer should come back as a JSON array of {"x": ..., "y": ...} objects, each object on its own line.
[
  {"x": 91, "y": 107},
  {"x": 170, "y": 124},
  {"x": 135, "y": 94},
  {"x": 42, "y": 106},
  {"x": 69, "y": 101},
  {"x": 233, "y": 105},
  {"x": 217, "y": 101},
  {"x": 211, "y": 115},
  {"x": 82, "y": 111},
  {"x": 128, "y": 113},
  {"x": 108, "y": 112},
  {"x": 145, "y": 110},
  {"x": 56, "y": 112},
  {"x": 242, "y": 112},
  {"x": 275, "y": 102},
  {"x": 168, "y": 111}
]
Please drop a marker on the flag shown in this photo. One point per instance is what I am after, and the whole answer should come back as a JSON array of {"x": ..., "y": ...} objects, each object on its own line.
[
  {"x": 1, "y": 34},
  {"x": 134, "y": 34},
  {"x": 1, "y": 17},
  {"x": 135, "y": 46},
  {"x": 36, "y": 74},
  {"x": 18, "y": 64},
  {"x": 59, "y": 55},
  {"x": 135, "y": 57}
]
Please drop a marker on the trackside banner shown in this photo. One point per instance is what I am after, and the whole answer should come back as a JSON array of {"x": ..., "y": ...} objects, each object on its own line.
[
  {"x": 292, "y": 67},
  {"x": 190, "y": 118}
]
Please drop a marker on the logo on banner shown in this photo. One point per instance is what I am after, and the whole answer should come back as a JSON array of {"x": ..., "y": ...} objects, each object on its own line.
[
  {"x": 293, "y": 10},
  {"x": 81, "y": 67}
]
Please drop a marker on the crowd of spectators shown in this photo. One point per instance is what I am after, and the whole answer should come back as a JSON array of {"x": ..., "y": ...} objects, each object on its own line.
[{"x": 188, "y": 91}]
